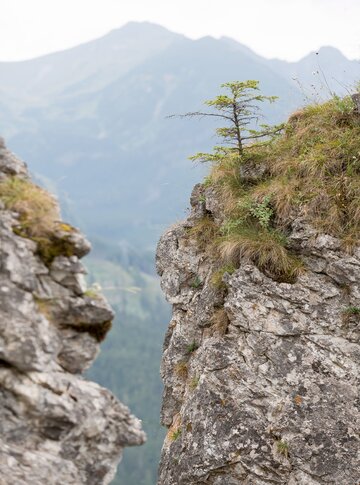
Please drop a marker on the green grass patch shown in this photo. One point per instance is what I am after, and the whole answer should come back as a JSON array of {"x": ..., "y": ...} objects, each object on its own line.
[{"x": 311, "y": 171}]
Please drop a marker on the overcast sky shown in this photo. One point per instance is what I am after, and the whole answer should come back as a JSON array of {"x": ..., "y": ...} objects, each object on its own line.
[{"x": 287, "y": 29}]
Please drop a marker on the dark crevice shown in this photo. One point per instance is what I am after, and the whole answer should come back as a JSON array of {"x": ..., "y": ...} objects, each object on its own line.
[
  {"x": 98, "y": 331},
  {"x": 6, "y": 364}
]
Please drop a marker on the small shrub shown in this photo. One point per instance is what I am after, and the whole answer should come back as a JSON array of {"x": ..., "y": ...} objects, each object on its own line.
[
  {"x": 344, "y": 105},
  {"x": 229, "y": 226},
  {"x": 50, "y": 246},
  {"x": 261, "y": 211}
]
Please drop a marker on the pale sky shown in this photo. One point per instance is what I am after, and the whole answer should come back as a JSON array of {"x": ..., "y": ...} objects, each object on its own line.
[{"x": 287, "y": 29}]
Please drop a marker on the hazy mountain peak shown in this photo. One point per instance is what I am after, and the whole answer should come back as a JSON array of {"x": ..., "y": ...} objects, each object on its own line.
[
  {"x": 207, "y": 38},
  {"x": 239, "y": 47},
  {"x": 88, "y": 66},
  {"x": 328, "y": 53},
  {"x": 134, "y": 27}
]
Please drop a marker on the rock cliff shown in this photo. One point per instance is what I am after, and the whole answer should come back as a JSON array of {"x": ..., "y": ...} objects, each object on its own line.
[
  {"x": 261, "y": 372},
  {"x": 56, "y": 427}
]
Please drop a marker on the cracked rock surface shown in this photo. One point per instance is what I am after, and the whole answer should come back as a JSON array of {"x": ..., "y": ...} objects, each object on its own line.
[
  {"x": 262, "y": 378},
  {"x": 55, "y": 426}
]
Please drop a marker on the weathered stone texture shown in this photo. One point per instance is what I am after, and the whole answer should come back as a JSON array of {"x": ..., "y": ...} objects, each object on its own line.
[
  {"x": 271, "y": 396},
  {"x": 55, "y": 427}
]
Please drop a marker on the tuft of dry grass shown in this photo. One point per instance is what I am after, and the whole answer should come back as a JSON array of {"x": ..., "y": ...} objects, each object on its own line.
[
  {"x": 181, "y": 370},
  {"x": 317, "y": 163},
  {"x": 205, "y": 231},
  {"x": 263, "y": 248},
  {"x": 38, "y": 210},
  {"x": 220, "y": 321},
  {"x": 38, "y": 217}
]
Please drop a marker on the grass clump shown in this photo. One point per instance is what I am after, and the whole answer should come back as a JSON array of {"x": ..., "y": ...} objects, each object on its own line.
[
  {"x": 351, "y": 313},
  {"x": 51, "y": 246},
  {"x": 315, "y": 167},
  {"x": 205, "y": 232},
  {"x": 220, "y": 321},
  {"x": 217, "y": 276},
  {"x": 283, "y": 448},
  {"x": 181, "y": 370},
  {"x": 44, "y": 307},
  {"x": 192, "y": 347},
  {"x": 38, "y": 210},
  {"x": 311, "y": 171},
  {"x": 352, "y": 310},
  {"x": 266, "y": 249},
  {"x": 38, "y": 217}
]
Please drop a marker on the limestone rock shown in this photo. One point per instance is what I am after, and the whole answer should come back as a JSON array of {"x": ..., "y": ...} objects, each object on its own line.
[
  {"x": 55, "y": 427},
  {"x": 262, "y": 380}
]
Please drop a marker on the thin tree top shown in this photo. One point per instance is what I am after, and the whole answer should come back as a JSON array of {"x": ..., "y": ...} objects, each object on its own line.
[{"x": 239, "y": 109}]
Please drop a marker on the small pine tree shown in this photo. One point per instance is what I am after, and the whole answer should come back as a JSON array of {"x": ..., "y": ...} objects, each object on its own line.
[{"x": 239, "y": 109}]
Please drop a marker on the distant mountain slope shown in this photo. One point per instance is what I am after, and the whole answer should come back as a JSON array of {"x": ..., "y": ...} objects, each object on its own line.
[
  {"x": 321, "y": 72},
  {"x": 98, "y": 62},
  {"x": 94, "y": 120}
]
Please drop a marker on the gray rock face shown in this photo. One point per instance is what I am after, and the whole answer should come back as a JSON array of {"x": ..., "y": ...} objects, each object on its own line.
[
  {"x": 55, "y": 427},
  {"x": 261, "y": 379}
]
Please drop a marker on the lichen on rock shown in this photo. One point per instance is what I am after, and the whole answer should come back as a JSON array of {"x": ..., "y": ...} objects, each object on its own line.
[{"x": 56, "y": 427}]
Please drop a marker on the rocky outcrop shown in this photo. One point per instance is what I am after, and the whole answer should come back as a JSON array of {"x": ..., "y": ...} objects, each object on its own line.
[
  {"x": 261, "y": 377},
  {"x": 56, "y": 427}
]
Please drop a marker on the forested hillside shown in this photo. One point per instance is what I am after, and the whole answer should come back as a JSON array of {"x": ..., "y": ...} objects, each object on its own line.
[{"x": 130, "y": 356}]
